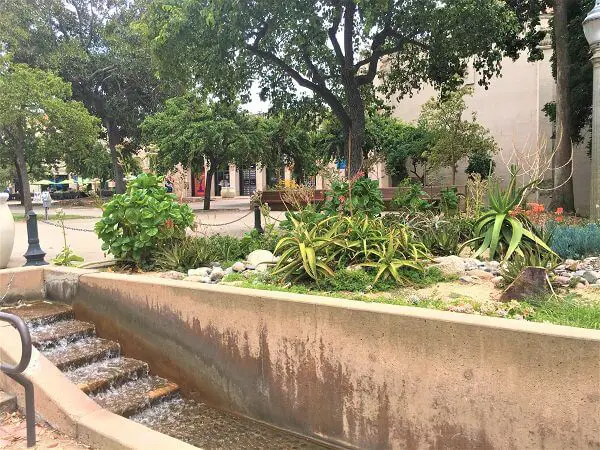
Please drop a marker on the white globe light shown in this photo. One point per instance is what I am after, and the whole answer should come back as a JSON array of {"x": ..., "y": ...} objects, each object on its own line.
[{"x": 591, "y": 25}]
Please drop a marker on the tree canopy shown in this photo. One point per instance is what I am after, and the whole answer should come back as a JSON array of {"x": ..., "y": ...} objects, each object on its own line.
[
  {"x": 336, "y": 49},
  {"x": 193, "y": 132},
  {"x": 39, "y": 124},
  {"x": 92, "y": 44}
]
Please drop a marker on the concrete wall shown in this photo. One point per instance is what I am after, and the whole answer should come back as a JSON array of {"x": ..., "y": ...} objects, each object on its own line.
[
  {"x": 21, "y": 283},
  {"x": 364, "y": 375}
]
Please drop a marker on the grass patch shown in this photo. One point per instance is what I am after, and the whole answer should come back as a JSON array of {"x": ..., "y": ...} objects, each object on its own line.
[
  {"x": 570, "y": 310},
  {"x": 21, "y": 217}
]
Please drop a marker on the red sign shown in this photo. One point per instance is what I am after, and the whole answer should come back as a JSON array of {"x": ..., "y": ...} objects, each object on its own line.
[{"x": 199, "y": 184}]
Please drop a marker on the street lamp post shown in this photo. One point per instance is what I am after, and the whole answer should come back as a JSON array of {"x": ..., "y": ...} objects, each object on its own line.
[{"x": 591, "y": 29}]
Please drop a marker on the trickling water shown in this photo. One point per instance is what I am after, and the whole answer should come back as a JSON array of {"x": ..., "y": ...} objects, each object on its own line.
[{"x": 124, "y": 386}]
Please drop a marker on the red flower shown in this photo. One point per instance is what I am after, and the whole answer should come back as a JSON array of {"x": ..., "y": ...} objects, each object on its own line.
[
  {"x": 169, "y": 223},
  {"x": 559, "y": 211},
  {"x": 342, "y": 199}
]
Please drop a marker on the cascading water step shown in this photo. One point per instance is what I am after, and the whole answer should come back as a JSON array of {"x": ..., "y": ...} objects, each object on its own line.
[
  {"x": 135, "y": 396},
  {"x": 41, "y": 312},
  {"x": 124, "y": 386},
  {"x": 50, "y": 334},
  {"x": 107, "y": 373},
  {"x": 84, "y": 351}
]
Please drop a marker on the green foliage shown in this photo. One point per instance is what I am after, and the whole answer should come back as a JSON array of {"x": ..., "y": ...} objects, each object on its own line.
[
  {"x": 449, "y": 201},
  {"x": 348, "y": 280},
  {"x": 410, "y": 197},
  {"x": 531, "y": 257},
  {"x": 443, "y": 236},
  {"x": 136, "y": 224},
  {"x": 576, "y": 242},
  {"x": 253, "y": 240},
  {"x": 66, "y": 257},
  {"x": 481, "y": 162},
  {"x": 454, "y": 137},
  {"x": 314, "y": 250},
  {"x": 308, "y": 215},
  {"x": 501, "y": 232},
  {"x": 356, "y": 196},
  {"x": 192, "y": 131},
  {"x": 570, "y": 311}
]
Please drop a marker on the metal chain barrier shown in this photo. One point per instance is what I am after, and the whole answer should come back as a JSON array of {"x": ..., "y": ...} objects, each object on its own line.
[
  {"x": 226, "y": 223},
  {"x": 47, "y": 222}
]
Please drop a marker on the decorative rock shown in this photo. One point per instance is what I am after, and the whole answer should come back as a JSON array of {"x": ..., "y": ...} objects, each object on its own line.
[
  {"x": 217, "y": 274},
  {"x": 472, "y": 263},
  {"x": 172, "y": 275},
  {"x": 215, "y": 264},
  {"x": 494, "y": 264},
  {"x": 238, "y": 267},
  {"x": 562, "y": 280},
  {"x": 195, "y": 278},
  {"x": 580, "y": 286},
  {"x": 228, "y": 271},
  {"x": 466, "y": 279},
  {"x": 261, "y": 259},
  {"x": 590, "y": 277},
  {"x": 497, "y": 280},
  {"x": 250, "y": 267},
  {"x": 200, "y": 272},
  {"x": 481, "y": 274},
  {"x": 531, "y": 282},
  {"x": 450, "y": 265}
]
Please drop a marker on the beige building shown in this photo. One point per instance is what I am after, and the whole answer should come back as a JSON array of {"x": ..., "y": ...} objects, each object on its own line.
[{"x": 512, "y": 109}]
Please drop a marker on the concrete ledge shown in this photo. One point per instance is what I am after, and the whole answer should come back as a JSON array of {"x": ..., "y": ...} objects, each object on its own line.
[
  {"x": 68, "y": 409},
  {"x": 21, "y": 283},
  {"x": 357, "y": 374}
]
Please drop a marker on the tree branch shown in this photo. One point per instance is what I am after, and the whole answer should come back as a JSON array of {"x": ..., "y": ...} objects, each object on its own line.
[
  {"x": 332, "y": 32},
  {"x": 322, "y": 90},
  {"x": 349, "y": 34}
]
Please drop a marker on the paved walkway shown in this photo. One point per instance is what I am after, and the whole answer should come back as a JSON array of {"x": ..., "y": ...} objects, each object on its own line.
[
  {"x": 224, "y": 218},
  {"x": 13, "y": 435}
]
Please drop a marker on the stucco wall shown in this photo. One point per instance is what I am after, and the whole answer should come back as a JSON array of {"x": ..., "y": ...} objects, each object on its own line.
[{"x": 365, "y": 375}]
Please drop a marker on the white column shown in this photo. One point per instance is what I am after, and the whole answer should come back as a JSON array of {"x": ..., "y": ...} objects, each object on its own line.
[{"x": 595, "y": 175}]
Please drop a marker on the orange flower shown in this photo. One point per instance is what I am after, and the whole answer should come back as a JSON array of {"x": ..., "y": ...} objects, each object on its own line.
[{"x": 559, "y": 211}]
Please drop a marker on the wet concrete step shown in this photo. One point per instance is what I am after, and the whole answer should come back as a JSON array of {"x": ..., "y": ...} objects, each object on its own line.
[
  {"x": 107, "y": 373},
  {"x": 83, "y": 351},
  {"x": 136, "y": 396},
  {"x": 202, "y": 426},
  {"x": 8, "y": 403},
  {"x": 50, "y": 334},
  {"x": 39, "y": 312}
]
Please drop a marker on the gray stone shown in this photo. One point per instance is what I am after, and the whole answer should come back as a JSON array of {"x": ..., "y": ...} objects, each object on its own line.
[
  {"x": 199, "y": 272},
  {"x": 217, "y": 274},
  {"x": 238, "y": 267},
  {"x": 261, "y": 259},
  {"x": 562, "y": 280},
  {"x": 481, "y": 274},
  {"x": 493, "y": 264},
  {"x": 466, "y": 279},
  {"x": 172, "y": 275},
  {"x": 250, "y": 267},
  {"x": 472, "y": 263},
  {"x": 497, "y": 280},
  {"x": 215, "y": 264},
  {"x": 195, "y": 279},
  {"x": 228, "y": 271},
  {"x": 531, "y": 282},
  {"x": 590, "y": 277},
  {"x": 450, "y": 265}
]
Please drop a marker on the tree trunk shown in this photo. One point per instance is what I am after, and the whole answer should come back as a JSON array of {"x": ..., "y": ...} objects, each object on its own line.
[
  {"x": 19, "y": 181},
  {"x": 208, "y": 186},
  {"x": 114, "y": 139},
  {"x": 354, "y": 133},
  {"x": 454, "y": 169},
  {"x": 19, "y": 151},
  {"x": 563, "y": 180}
]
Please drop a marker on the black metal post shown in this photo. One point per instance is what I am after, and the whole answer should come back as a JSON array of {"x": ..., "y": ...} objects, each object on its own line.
[
  {"x": 34, "y": 254},
  {"x": 257, "y": 219}
]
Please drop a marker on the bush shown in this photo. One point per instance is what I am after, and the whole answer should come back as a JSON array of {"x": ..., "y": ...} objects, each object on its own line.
[
  {"x": 576, "y": 242},
  {"x": 348, "y": 280},
  {"x": 135, "y": 225},
  {"x": 410, "y": 197},
  {"x": 444, "y": 235},
  {"x": 356, "y": 196},
  {"x": 253, "y": 240}
]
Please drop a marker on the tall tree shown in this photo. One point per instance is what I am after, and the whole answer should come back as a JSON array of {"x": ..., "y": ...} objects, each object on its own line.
[
  {"x": 38, "y": 120},
  {"x": 196, "y": 133},
  {"x": 562, "y": 195},
  {"x": 92, "y": 44},
  {"x": 454, "y": 137},
  {"x": 336, "y": 48}
]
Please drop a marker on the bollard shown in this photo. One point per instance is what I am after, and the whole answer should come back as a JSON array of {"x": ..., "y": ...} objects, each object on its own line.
[
  {"x": 257, "y": 220},
  {"x": 34, "y": 254}
]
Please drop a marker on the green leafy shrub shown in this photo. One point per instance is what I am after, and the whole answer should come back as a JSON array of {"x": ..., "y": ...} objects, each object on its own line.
[
  {"x": 410, "y": 197},
  {"x": 501, "y": 230},
  {"x": 348, "y": 280},
  {"x": 253, "y": 240},
  {"x": 313, "y": 250},
  {"x": 135, "y": 225},
  {"x": 449, "y": 201},
  {"x": 359, "y": 196},
  {"x": 184, "y": 254},
  {"x": 576, "y": 242}
]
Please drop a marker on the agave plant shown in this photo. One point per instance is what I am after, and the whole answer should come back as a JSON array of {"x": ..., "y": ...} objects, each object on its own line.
[
  {"x": 305, "y": 251},
  {"x": 498, "y": 230}
]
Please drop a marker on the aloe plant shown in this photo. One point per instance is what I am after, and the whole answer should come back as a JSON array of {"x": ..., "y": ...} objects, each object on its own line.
[{"x": 500, "y": 232}]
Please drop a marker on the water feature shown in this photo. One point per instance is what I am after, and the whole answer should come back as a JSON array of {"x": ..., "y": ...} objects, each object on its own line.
[{"x": 126, "y": 387}]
